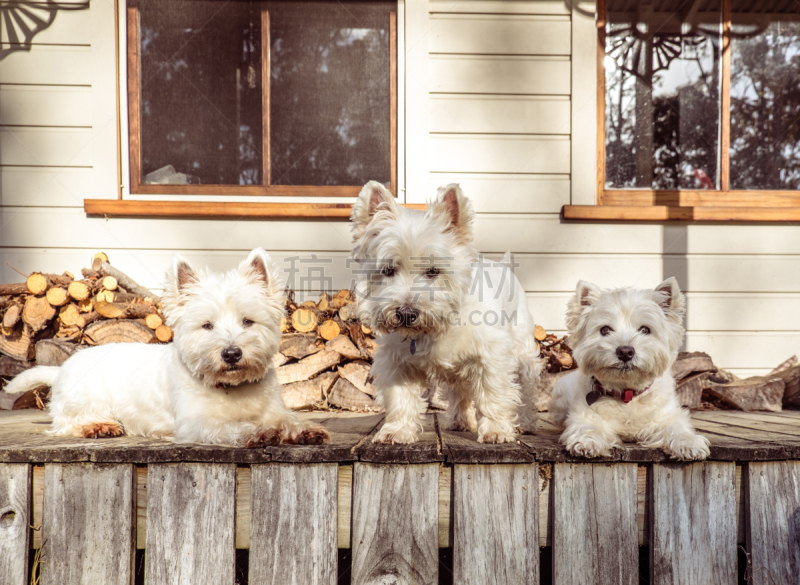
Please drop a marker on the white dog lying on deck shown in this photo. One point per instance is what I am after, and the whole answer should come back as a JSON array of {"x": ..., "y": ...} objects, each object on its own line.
[
  {"x": 625, "y": 342},
  {"x": 215, "y": 384}
]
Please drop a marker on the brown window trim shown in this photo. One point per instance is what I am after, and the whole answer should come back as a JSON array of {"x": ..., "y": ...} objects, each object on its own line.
[
  {"x": 134, "y": 124},
  {"x": 720, "y": 205}
]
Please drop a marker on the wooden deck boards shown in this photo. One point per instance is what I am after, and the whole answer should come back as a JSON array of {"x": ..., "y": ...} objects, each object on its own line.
[{"x": 734, "y": 436}]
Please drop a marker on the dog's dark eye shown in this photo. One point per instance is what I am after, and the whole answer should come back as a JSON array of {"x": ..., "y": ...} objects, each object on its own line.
[
  {"x": 208, "y": 326},
  {"x": 247, "y": 322},
  {"x": 432, "y": 272},
  {"x": 644, "y": 329},
  {"x": 387, "y": 271},
  {"x": 605, "y": 330}
]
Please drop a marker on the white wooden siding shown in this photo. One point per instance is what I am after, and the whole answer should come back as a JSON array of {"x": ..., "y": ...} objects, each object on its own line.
[{"x": 495, "y": 96}]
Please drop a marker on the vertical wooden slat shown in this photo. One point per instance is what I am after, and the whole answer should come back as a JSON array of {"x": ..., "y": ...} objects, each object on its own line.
[
  {"x": 496, "y": 528},
  {"x": 190, "y": 523},
  {"x": 773, "y": 520},
  {"x": 15, "y": 514},
  {"x": 265, "y": 87},
  {"x": 89, "y": 521},
  {"x": 293, "y": 527},
  {"x": 725, "y": 106},
  {"x": 595, "y": 524},
  {"x": 601, "y": 100},
  {"x": 694, "y": 524},
  {"x": 393, "y": 100},
  {"x": 345, "y": 502},
  {"x": 134, "y": 93},
  {"x": 395, "y": 516}
]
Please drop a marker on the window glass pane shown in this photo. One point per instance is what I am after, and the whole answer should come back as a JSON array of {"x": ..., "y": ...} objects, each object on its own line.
[
  {"x": 765, "y": 95},
  {"x": 200, "y": 92},
  {"x": 662, "y": 98},
  {"x": 329, "y": 92}
]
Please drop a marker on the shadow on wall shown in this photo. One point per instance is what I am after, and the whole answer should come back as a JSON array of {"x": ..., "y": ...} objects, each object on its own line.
[
  {"x": 22, "y": 21},
  {"x": 675, "y": 260}
]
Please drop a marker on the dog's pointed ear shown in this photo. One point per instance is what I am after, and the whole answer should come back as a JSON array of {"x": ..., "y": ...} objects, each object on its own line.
[
  {"x": 586, "y": 295},
  {"x": 373, "y": 198},
  {"x": 180, "y": 277},
  {"x": 182, "y": 273},
  {"x": 457, "y": 210},
  {"x": 671, "y": 299},
  {"x": 259, "y": 267}
]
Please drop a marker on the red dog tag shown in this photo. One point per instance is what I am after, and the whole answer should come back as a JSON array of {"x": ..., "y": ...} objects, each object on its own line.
[{"x": 627, "y": 396}]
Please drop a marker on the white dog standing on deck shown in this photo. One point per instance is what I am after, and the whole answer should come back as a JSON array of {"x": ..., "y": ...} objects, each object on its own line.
[
  {"x": 442, "y": 319},
  {"x": 215, "y": 384},
  {"x": 625, "y": 342}
]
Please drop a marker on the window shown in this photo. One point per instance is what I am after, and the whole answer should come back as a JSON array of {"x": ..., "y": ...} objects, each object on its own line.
[
  {"x": 261, "y": 98},
  {"x": 698, "y": 107}
]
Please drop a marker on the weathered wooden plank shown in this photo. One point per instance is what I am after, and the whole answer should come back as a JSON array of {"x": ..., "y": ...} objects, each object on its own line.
[
  {"x": 190, "y": 523},
  {"x": 445, "y": 506},
  {"x": 595, "y": 524},
  {"x": 244, "y": 515},
  {"x": 89, "y": 522},
  {"x": 694, "y": 524},
  {"x": 293, "y": 529},
  {"x": 500, "y": 35},
  {"x": 495, "y": 524},
  {"x": 345, "y": 503},
  {"x": 773, "y": 522},
  {"x": 395, "y": 524},
  {"x": 425, "y": 450},
  {"x": 776, "y": 427},
  {"x": 463, "y": 447},
  {"x": 15, "y": 520}
]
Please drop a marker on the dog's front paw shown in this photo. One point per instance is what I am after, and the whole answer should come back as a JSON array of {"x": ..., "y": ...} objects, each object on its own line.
[
  {"x": 497, "y": 437},
  {"x": 390, "y": 436},
  {"x": 263, "y": 438},
  {"x": 589, "y": 447},
  {"x": 693, "y": 448},
  {"x": 102, "y": 430},
  {"x": 310, "y": 436}
]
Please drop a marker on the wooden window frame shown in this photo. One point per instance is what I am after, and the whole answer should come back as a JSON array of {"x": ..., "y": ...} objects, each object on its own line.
[
  {"x": 135, "y": 141},
  {"x": 718, "y": 205}
]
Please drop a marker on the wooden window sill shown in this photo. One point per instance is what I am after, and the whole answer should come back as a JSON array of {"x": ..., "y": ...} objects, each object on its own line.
[
  {"x": 659, "y": 213},
  {"x": 196, "y": 209}
]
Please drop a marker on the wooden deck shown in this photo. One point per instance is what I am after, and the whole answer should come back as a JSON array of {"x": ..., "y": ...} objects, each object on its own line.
[{"x": 93, "y": 503}]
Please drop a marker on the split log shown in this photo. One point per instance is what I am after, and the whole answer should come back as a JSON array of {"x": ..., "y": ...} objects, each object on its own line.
[
  {"x": 308, "y": 367},
  {"x": 69, "y": 315},
  {"x": 546, "y": 385},
  {"x": 348, "y": 312},
  {"x": 329, "y": 329},
  {"x": 337, "y": 303},
  {"x": 85, "y": 306},
  {"x": 18, "y": 344},
  {"x": 367, "y": 345},
  {"x": 344, "y": 293},
  {"x": 357, "y": 373},
  {"x": 12, "y": 316},
  {"x": 78, "y": 290},
  {"x": 284, "y": 325},
  {"x": 72, "y": 333},
  {"x": 345, "y": 395},
  {"x": 37, "y": 283},
  {"x": 153, "y": 321},
  {"x": 53, "y": 352},
  {"x": 791, "y": 381},
  {"x": 308, "y": 305},
  {"x": 756, "y": 393},
  {"x": 37, "y": 313},
  {"x": 792, "y": 361},
  {"x": 36, "y": 398},
  {"x": 14, "y": 289},
  {"x": 5, "y": 300},
  {"x": 324, "y": 304},
  {"x": 304, "y": 320},
  {"x": 110, "y": 283},
  {"x": 344, "y": 346},
  {"x": 128, "y": 283},
  {"x": 10, "y": 367},
  {"x": 122, "y": 297},
  {"x": 299, "y": 345},
  {"x": 134, "y": 310},
  {"x": 88, "y": 273},
  {"x": 690, "y": 389},
  {"x": 308, "y": 393},
  {"x": 57, "y": 296},
  {"x": 539, "y": 333},
  {"x": 279, "y": 359},
  {"x": 118, "y": 331},
  {"x": 164, "y": 333},
  {"x": 692, "y": 363}
]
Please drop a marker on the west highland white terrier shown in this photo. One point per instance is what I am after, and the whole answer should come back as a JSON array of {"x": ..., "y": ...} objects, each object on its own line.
[
  {"x": 442, "y": 318},
  {"x": 215, "y": 384},
  {"x": 625, "y": 342}
]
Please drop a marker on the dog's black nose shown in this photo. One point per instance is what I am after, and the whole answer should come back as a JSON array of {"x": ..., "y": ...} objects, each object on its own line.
[
  {"x": 625, "y": 353},
  {"x": 231, "y": 355},
  {"x": 406, "y": 316}
]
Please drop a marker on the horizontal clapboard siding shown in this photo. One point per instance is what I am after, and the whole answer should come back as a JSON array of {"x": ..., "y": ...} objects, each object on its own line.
[
  {"x": 45, "y": 106},
  {"x": 502, "y": 154},
  {"x": 43, "y": 146},
  {"x": 500, "y": 35},
  {"x": 503, "y": 115},
  {"x": 498, "y": 7},
  {"x": 507, "y": 192},
  {"x": 44, "y": 186},
  {"x": 499, "y": 74},
  {"x": 71, "y": 25},
  {"x": 49, "y": 65}
]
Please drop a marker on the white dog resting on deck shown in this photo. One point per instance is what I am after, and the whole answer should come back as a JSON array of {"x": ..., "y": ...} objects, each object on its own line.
[
  {"x": 442, "y": 318},
  {"x": 625, "y": 342},
  {"x": 215, "y": 384}
]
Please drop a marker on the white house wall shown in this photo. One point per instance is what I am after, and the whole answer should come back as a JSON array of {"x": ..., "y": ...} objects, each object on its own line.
[{"x": 491, "y": 100}]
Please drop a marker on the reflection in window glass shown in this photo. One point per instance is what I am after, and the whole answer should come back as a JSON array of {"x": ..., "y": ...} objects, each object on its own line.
[
  {"x": 765, "y": 95},
  {"x": 662, "y": 94},
  {"x": 200, "y": 92},
  {"x": 329, "y": 92}
]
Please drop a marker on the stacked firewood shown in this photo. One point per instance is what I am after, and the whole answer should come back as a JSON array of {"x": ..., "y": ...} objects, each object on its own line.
[{"x": 326, "y": 354}]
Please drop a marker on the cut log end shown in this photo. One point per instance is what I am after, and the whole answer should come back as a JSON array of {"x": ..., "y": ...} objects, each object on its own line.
[
  {"x": 329, "y": 330},
  {"x": 304, "y": 320},
  {"x": 539, "y": 333},
  {"x": 153, "y": 321},
  {"x": 57, "y": 296},
  {"x": 37, "y": 283},
  {"x": 164, "y": 333},
  {"x": 110, "y": 283},
  {"x": 78, "y": 290}
]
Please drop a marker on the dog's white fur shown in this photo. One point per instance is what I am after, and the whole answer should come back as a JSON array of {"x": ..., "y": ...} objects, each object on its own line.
[
  {"x": 655, "y": 418},
  {"x": 171, "y": 391},
  {"x": 488, "y": 368}
]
